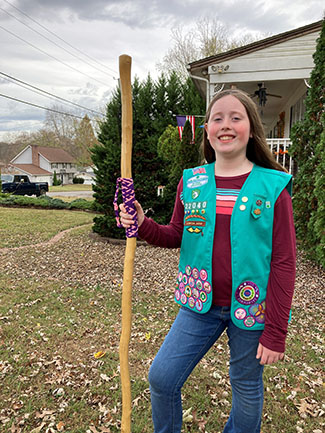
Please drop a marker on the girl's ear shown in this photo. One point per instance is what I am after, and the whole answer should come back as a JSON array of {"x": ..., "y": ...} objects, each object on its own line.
[{"x": 206, "y": 129}]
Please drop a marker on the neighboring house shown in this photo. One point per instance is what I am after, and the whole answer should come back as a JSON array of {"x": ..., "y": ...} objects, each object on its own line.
[
  {"x": 274, "y": 71},
  {"x": 40, "y": 163},
  {"x": 87, "y": 174}
]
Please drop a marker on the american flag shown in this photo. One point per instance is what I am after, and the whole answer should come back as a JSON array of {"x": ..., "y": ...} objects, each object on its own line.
[{"x": 181, "y": 120}]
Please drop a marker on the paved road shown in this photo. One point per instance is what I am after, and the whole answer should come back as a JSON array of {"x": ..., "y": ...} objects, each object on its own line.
[{"x": 71, "y": 194}]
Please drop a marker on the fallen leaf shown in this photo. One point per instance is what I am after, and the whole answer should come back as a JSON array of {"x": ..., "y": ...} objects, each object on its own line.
[
  {"x": 38, "y": 429},
  {"x": 99, "y": 354},
  {"x": 105, "y": 377},
  {"x": 187, "y": 417},
  {"x": 60, "y": 426}
]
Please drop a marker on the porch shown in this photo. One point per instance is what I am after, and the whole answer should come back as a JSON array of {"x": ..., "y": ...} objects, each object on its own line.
[{"x": 279, "y": 147}]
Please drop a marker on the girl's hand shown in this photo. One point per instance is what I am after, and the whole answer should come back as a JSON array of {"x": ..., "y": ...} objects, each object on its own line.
[
  {"x": 126, "y": 219},
  {"x": 268, "y": 356}
]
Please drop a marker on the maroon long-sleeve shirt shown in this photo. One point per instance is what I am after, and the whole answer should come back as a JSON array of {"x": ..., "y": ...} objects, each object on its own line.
[{"x": 282, "y": 275}]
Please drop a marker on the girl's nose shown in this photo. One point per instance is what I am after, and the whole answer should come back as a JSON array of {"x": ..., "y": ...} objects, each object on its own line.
[{"x": 225, "y": 124}]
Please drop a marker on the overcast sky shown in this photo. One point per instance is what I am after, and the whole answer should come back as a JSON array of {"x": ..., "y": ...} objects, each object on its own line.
[{"x": 103, "y": 30}]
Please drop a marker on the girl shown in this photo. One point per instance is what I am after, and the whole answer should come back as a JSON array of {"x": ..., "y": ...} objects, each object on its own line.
[{"x": 233, "y": 220}]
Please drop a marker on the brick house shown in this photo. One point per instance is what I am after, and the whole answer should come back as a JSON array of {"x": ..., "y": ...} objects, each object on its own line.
[{"x": 40, "y": 163}]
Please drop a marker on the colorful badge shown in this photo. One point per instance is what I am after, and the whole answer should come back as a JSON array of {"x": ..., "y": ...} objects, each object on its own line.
[
  {"x": 247, "y": 293},
  {"x": 195, "y": 193},
  {"x": 197, "y": 181}
]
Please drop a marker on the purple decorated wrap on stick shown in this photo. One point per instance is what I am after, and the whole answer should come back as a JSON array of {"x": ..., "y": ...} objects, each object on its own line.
[{"x": 128, "y": 197}]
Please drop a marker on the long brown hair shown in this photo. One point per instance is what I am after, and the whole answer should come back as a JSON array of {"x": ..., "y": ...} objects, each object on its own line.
[{"x": 258, "y": 150}]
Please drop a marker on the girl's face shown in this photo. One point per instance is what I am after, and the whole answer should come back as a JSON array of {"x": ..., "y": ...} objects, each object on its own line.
[{"x": 228, "y": 127}]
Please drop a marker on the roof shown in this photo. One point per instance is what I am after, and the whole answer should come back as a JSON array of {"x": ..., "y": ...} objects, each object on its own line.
[
  {"x": 32, "y": 169},
  {"x": 255, "y": 46},
  {"x": 54, "y": 154}
]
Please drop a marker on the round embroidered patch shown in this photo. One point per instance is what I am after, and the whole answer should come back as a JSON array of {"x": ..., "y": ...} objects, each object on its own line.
[
  {"x": 188, "y": 291},
  {"x": 188, "y": 270},
  {"x": 196, "y": 293},
  {"x": 199, "y": 284},
  {"x": 203, "y": 296},
  {"x": 203, "y": 274},
  {"x": 240, "y": 313},
  {"x": 181, "y": 287},
  {"x": 195, "y": 273},
  {"x": 249, "y": 321},
  {"x": 183, "y": 298},
  {"x": 191, "y": 302},
  {"x": 207, "y": 287},
  {"x": 247, "y": 293},
  {"x": 258, "y": 312},
  {"x": 191, "y": 282},
  {"x": 185, "y": 279},
  {"x": 198, "y": 305},
  {"x": 177, "y": 295},
  {"x": 180, "y": 276}
]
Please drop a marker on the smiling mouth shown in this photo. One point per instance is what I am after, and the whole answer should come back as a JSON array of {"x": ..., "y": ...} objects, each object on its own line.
[{"x": 226, "y": 137}]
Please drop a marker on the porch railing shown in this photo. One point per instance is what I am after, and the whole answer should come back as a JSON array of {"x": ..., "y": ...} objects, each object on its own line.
[{"x": 279, "y": 147}]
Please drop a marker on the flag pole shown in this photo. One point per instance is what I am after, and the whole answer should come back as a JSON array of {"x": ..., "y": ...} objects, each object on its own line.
[{"x": 126, "y": 172}]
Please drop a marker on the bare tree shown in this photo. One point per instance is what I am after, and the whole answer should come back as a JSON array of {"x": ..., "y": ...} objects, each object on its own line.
[{"x": 209, "y": 37}]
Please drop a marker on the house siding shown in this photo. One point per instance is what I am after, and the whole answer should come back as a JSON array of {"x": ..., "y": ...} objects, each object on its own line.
[
  {"x": 291, "y": 59},
  {"x": 44, "y": 163},
  {"x": 24, "y": 157}
]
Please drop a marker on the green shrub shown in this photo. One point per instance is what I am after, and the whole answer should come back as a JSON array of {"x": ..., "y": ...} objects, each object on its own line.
[
  {"x": 308, "y": 150},
  {"x": 81, "y": 203},
  {"x": 44, "y": 202},
  {"x": 78, "y": 180}
]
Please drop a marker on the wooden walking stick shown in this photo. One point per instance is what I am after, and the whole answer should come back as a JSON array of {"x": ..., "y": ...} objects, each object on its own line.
[{"x": 131, "y": 233}]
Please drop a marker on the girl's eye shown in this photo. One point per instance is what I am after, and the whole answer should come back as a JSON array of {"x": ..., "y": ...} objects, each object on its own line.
[{"x": 236, "y": 118}]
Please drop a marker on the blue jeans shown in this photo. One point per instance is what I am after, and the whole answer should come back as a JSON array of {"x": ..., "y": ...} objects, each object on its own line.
[{"x": 188, "y": 340}]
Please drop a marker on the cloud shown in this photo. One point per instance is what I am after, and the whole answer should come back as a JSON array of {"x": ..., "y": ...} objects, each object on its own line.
[{"x": 104, "y": 29}]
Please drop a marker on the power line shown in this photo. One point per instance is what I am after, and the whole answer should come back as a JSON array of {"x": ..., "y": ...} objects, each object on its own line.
[
  {"x": 40, "y": 106},
  {"x": 49, "y": 55},
  {"x": 61, "y": 39},
  {"x": 57, "y": 45},
  {"x": 38, "y": 90}
]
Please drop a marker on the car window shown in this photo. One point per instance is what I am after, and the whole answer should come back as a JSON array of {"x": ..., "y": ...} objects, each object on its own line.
[{"x": 7, "y": 178}]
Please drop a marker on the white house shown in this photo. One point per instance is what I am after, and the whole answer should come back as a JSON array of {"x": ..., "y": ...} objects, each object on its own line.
[
  {"x": 274, "y": 71},
  {"x": 40, "y": 163},
  {"x": 87, "y": 174}
]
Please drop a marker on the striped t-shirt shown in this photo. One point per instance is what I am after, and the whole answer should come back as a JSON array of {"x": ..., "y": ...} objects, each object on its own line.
[{"x": 226, "y": 199}]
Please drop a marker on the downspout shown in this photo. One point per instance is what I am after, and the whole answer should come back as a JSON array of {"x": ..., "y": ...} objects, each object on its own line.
[{"x": 207, "y": 85}]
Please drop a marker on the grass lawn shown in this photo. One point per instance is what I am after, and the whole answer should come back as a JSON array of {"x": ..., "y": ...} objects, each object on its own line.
[
  {"x": 72, "y": 187},
  {"x": 69, "y": 198},
  {"x": 60, "y": 308},
  {"x": 27, "y": 226}
]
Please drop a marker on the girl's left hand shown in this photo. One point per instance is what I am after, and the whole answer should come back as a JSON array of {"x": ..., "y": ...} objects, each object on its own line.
[{"x": 268, "y": 356}]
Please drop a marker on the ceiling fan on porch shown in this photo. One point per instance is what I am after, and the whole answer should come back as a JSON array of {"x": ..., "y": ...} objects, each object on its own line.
[{"x": 262, "y": 94}]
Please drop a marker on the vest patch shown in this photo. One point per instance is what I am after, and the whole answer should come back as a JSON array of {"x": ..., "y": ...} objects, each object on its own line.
[
  {"x": 192, "y": 288},
  {"x": 197, "y": 181}
]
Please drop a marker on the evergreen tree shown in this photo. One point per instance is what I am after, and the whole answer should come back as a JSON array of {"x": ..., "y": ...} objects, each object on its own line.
[
  {"x": 55, "y": 179},
  {"x": 187, "y": 155},
  {"x": 155, "y": 106},
  {"x": 106, "y": 157},
  {"x": 146, "y": 162},
  {"x": 308, "y": 151}
]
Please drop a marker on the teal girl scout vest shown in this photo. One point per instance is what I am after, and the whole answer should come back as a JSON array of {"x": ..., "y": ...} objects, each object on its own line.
[{"x": 251, "y": 231}]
